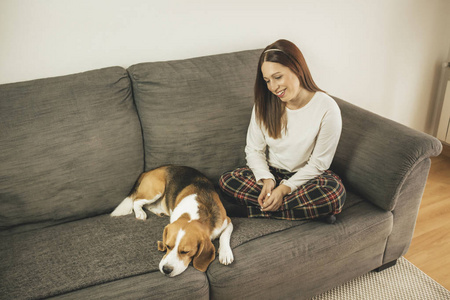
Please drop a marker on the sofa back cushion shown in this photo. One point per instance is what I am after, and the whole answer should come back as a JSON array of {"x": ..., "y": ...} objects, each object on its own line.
[
  {"x": 70, "y": 147},
  {"x": 196, "y": 111}
]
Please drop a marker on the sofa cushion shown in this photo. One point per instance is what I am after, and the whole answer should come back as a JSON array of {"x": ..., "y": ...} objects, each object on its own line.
[
  {"x": 307, "y": 259},
  {"x": 70, "y": 147},
  {"x": 196, "y": 111},
  {"x": 191, "y": 284},
  {"x": 72, "y": 256}
]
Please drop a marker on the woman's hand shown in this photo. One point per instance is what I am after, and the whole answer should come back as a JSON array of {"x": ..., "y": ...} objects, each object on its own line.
[
  {"x": 268, "y": 186},
  {"x": 275, "y": 199}
]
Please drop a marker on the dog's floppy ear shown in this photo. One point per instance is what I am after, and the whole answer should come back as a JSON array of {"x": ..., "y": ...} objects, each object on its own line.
[
  {"x": 205, "y": 255},
  {"x": 162, "y": 245}
]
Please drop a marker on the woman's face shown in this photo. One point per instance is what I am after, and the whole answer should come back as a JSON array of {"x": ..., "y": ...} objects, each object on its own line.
[{"x": 281, "y": 81}]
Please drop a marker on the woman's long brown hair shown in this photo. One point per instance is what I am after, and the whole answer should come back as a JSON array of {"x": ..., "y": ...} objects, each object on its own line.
[{"x": 270, "y": 111}]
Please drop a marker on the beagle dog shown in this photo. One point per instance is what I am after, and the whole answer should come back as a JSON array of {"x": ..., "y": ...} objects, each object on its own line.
[{"x": 197, "y": 217}]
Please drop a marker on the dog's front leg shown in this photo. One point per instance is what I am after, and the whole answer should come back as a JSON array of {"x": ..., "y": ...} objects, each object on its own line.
[{"x": 225, "y": 253}]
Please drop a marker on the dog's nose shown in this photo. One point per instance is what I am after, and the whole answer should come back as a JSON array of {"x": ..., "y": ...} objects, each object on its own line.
[{"x": 167, "y": 269}]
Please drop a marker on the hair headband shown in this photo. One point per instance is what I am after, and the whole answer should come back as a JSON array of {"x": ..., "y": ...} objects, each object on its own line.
[{"x": 269, "y": 50}]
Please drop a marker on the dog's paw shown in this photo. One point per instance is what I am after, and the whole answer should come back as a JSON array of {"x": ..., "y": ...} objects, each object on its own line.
[
  {"x": 225, "y": 255},
  {"x": 141, "y": 215}
]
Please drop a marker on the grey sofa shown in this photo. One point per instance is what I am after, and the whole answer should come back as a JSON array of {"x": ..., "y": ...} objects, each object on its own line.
[{"x": 71, "y": 148}]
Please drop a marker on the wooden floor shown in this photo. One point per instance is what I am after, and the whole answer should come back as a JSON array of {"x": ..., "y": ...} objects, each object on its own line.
[{"x": 430, "y": 247}]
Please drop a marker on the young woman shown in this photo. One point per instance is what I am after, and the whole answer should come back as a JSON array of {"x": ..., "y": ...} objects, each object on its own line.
[{"x": 291, "y": 141}]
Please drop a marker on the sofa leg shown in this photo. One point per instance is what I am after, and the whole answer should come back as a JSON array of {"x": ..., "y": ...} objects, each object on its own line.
[{"x": 386, "y": 266}]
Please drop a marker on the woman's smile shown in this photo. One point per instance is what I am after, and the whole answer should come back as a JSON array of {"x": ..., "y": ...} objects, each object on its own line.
[{"x": 281, "y": 93}]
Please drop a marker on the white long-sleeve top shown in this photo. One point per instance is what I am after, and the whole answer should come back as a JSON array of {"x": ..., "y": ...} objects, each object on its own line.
[{"x": 306, "y": 147}]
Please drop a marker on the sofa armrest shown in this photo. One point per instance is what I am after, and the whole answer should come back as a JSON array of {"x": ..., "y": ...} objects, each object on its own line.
[{"x": 375, "y": 155}]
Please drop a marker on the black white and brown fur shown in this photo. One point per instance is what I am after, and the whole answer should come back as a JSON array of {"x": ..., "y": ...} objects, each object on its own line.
[{"x": 197, "y": 217}]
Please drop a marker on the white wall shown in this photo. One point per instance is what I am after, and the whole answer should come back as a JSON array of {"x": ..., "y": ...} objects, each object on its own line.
[{"x": 382, "y": 55}]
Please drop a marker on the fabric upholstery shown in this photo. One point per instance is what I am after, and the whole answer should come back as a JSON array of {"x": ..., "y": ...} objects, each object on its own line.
[
  {"x": 375, "y": 155},
  {"x": 191, "y": 284},
  {"x": 301, "y": 261},
  {"x": 406, "y": 211},
  {"x": 196, "y": 112},
  {"x": 79, "y": 254},
  {"x": 72, "y": 256},
  {"x": 70, "y": 147}
]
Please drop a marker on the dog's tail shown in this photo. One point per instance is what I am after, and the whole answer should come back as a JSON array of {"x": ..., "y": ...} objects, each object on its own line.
[{"x": 124, "y": 208}]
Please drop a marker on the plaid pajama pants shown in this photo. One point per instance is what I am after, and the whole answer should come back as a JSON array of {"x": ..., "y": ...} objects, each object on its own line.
[{"x": 321, "y": 196}]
